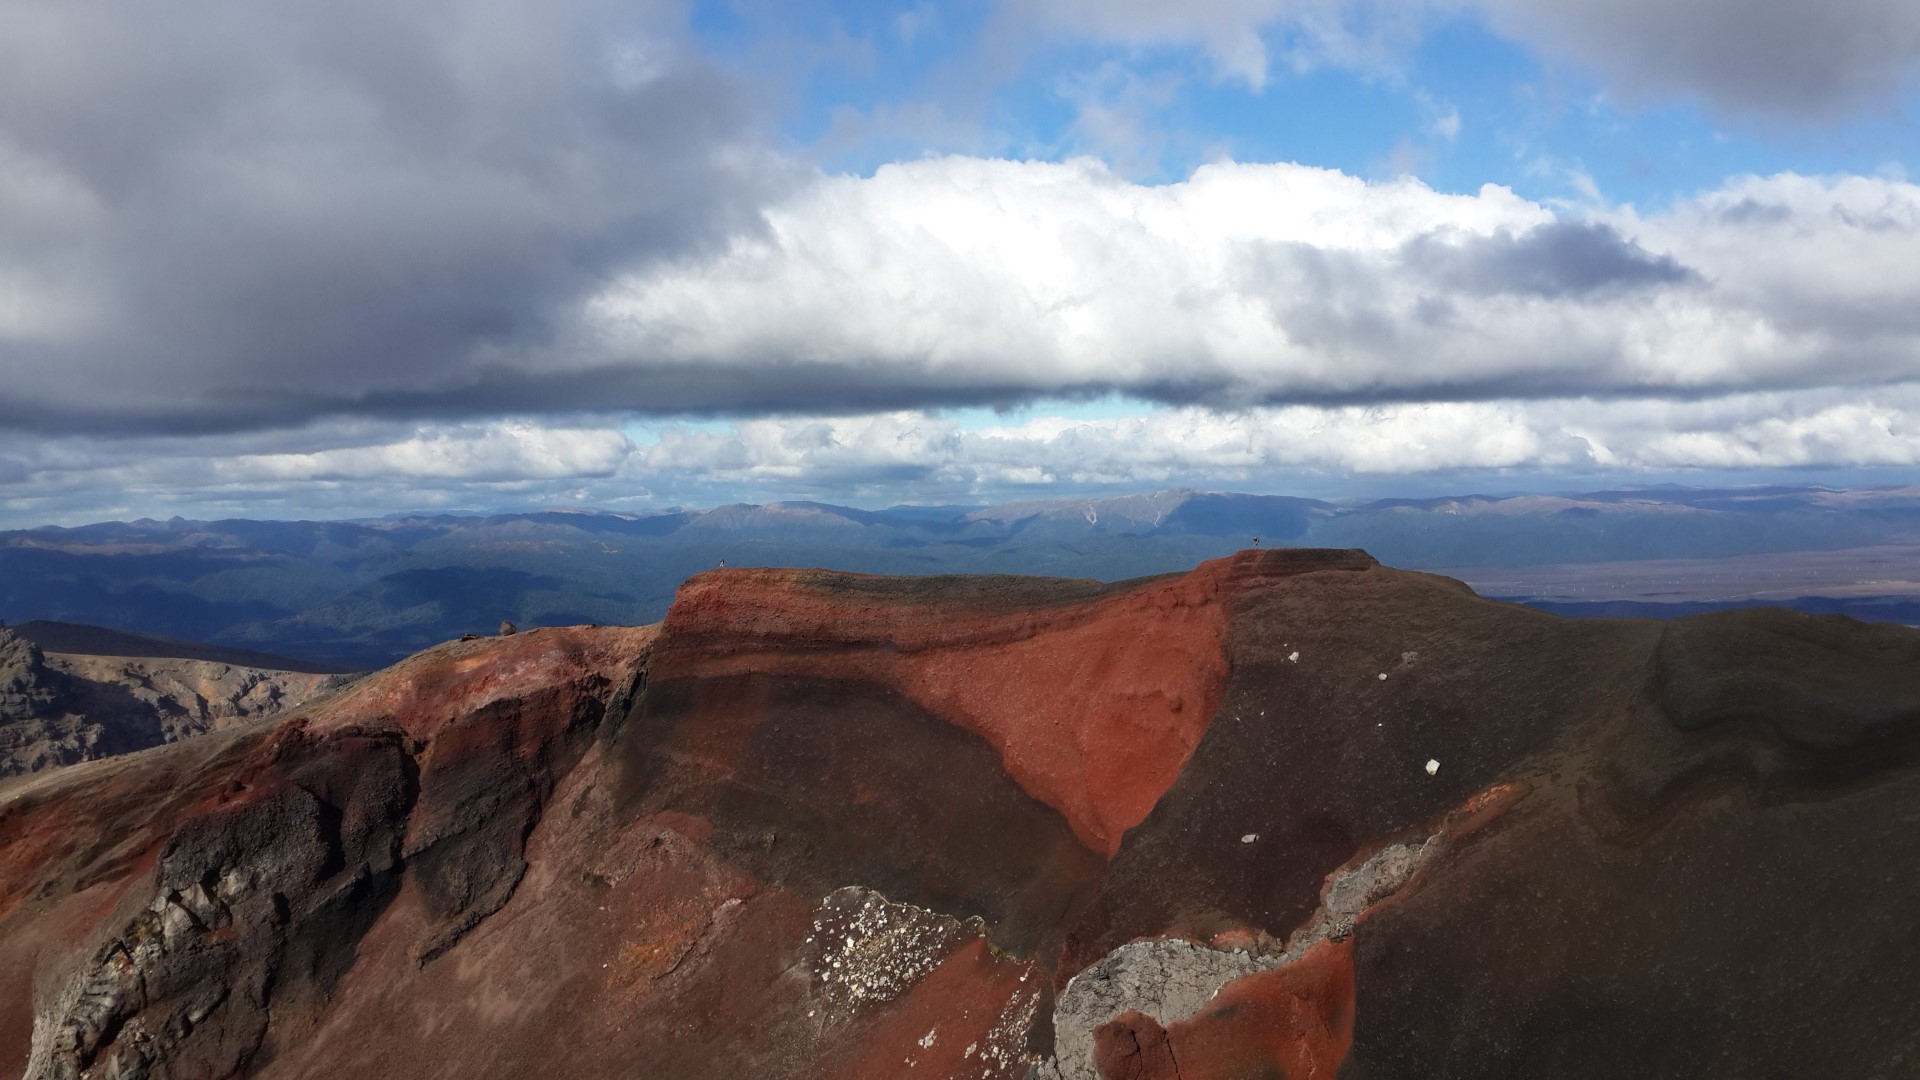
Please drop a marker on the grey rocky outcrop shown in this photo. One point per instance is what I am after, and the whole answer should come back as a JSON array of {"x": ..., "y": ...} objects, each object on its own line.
[
  {"x": 37, "y": 729},
  {"x": 59, "y": 708}
]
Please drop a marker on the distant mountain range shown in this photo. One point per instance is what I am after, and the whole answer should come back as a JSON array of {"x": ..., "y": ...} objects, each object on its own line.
[{"x": 361, "y": 594}]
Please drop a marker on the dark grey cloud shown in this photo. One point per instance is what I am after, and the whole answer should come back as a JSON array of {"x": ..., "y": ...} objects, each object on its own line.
[
  {"x": 224, "y": 214},
  {"x": 1754, "y": 212},
  {"x": 1781, "y": 57},
  {"x": 1557, "y": 260},
  {"x": 229, "y": 216}
]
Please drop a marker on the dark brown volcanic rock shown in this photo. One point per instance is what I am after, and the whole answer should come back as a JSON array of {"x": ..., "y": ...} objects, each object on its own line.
[
  {"x": 160, "y": 909},
  {"x": 1292, "y": 814}
]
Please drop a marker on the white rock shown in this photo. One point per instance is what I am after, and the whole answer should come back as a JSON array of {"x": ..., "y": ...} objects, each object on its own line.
[
  {"x": 1250, "y": 838},
  {"x": 1293, "y": 657},
  {"x": 1383, "y": 676},
  {"x": 1433, "y": 766}
]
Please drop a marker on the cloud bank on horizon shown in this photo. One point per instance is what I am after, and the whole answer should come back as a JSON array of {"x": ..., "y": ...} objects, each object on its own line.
[{"x": 268, "y": 257}]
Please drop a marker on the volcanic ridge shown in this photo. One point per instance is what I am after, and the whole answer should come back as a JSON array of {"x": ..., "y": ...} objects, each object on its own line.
[{"x": 1292, "y": 814}]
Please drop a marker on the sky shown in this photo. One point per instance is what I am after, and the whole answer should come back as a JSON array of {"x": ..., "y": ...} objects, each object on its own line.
[{"x": 271, "y": 259}]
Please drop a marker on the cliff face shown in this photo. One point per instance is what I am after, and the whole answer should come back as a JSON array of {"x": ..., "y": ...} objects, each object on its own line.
[
  {"x": 42, "y": 722},
  {"x": 60, "y": 708},
  {"x": 1291, "y": 814}
]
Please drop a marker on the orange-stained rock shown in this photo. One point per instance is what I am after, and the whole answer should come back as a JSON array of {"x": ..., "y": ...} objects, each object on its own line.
[
  {"x": 968, "y": 1017},
  {"x": 1293, "y": 1021},
  {"x": 1133, "y": 1046},
  {"x": 436, "y": 689},
  {"x": 1091, "y": 716},
  {"x": 1095, "y": 696}
]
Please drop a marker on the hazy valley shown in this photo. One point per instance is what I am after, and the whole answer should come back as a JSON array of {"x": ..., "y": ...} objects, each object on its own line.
[{"x": 359, "y": 595}]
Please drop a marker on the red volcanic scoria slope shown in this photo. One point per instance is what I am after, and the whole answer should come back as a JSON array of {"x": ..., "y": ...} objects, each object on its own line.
[{"x": 1290, "y": 815}]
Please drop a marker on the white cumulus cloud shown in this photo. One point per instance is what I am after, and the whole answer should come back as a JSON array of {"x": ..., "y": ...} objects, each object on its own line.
[{"x": 963, "y": 278}]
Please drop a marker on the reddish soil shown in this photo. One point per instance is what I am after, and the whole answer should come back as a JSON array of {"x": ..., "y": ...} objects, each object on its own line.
[
  {"x": 1090, "y": 715},
  {"x": 1294, "y": 1021},
  {"x": 1094, "y": 701}
]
